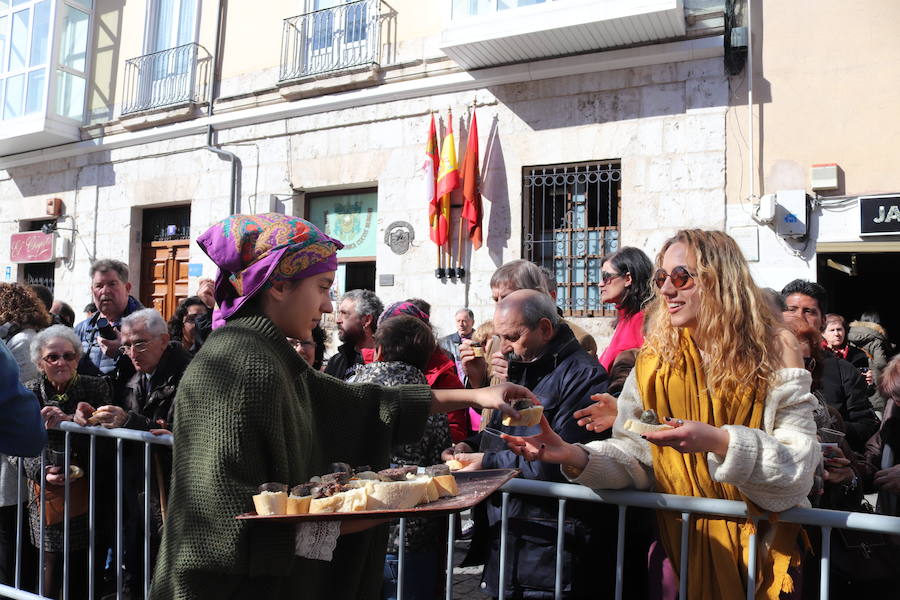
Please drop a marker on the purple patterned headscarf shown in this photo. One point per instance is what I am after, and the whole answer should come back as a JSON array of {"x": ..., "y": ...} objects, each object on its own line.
[
  {"x": 253, "y": 250},
  {"x": 402, "y": 308}
]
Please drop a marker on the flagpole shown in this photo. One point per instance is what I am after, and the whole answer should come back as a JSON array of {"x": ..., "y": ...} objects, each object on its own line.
[{"x": 459, "y": 247}]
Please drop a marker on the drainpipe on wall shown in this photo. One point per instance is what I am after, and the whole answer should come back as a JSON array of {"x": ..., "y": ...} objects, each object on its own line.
[
  {"x": 750, "y": 157},
  {"x": 225, "y": 154}
]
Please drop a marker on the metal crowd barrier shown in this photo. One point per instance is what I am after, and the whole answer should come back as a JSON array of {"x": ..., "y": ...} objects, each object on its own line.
[
  {"x": 121, "y": 435},
  {"x": 827, "y": 520}
]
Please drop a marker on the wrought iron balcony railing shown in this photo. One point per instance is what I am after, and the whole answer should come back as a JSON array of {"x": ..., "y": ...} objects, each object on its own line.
[
  {"x": 166, "y": 78},
  {"x": 330, "y": 39}
]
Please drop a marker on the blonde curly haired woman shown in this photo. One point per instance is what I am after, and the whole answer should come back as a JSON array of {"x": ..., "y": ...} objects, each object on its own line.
[{"x": 729, "y": 379}]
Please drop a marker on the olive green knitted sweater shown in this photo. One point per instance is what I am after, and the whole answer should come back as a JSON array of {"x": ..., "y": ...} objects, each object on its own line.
[{"x": 248, "y": 411}]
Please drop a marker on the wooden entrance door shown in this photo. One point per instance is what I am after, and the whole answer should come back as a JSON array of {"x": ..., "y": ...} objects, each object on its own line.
[{"x": 164, "y": 275}]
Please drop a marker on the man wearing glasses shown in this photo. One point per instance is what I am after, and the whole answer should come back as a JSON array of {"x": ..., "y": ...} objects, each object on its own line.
[
  {"x": 144, "y": 395},
  {"x": 100, "y": 338}
]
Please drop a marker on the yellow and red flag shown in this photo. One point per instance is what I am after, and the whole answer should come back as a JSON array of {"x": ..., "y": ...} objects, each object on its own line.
[
  {"x": 472, "y": 210},
  {"x": 447, "y": 181},
  {"x": 429, "y": 179}
]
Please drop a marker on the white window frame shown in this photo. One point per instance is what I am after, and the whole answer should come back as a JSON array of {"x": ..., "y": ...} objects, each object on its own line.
[
  {"x": 56, "y": 47},
  {"x": 52, "y": 66},
  {"x": 149, "y": 79},
  {"x": 152, "y": 22},
  {"x": 338, "y": 31}
]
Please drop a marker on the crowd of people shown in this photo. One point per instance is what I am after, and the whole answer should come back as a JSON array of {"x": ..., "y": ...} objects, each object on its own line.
[{"x": 757, "y": 395}]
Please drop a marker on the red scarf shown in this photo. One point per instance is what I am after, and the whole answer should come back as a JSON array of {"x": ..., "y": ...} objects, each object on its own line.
[{"x": 840, "y": 352}]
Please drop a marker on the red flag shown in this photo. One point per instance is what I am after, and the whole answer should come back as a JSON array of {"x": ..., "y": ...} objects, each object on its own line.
[
  {"x": 429, "y": 179},
  {"x": 472, "y": 210},
  {"x": 447, "y": 181}
]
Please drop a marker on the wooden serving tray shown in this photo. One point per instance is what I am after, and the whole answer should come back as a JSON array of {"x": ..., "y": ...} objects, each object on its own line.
[{"x": 474, "y": 488}]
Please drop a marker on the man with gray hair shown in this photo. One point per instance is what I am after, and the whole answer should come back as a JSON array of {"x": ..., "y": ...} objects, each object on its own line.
[
  {"x": 144, "y": 390},
  {"x": 357, "y": 318},
  {"x": 99, "y": 334},
  {"x": 515, "y": 275},
  {"x": 545, "y": 357},
  {"x": 465, "y": 327}
]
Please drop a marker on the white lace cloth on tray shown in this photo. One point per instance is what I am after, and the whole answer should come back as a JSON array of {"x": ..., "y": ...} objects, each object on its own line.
[{"x": 316, "y": 540}]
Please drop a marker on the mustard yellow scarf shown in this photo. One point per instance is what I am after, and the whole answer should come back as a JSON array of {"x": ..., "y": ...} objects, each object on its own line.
[{"x": 718, "y": 546}]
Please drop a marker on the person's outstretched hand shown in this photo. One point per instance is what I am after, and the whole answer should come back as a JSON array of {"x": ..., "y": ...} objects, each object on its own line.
[
  {"x": 690, "y": 436},
  {"x": 546, "y": 446},
  {"x": 502, "y": 396},
  {"x": 599, "y": 416}
]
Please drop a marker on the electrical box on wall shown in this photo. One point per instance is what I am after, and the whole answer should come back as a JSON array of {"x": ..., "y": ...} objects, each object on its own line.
[
  {"x": 764, "y": 213},
  {"x": 823, "y": 178},
  {"x": 791, "y": 213}
]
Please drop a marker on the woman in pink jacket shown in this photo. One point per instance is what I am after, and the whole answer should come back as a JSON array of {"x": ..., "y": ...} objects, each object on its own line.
[{"x": 625, "y": 282}]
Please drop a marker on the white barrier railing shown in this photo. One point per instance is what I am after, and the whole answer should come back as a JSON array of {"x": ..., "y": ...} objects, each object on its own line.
[
  {"x": 827, "y": 520},
  {"x": 120, "y": 435}
]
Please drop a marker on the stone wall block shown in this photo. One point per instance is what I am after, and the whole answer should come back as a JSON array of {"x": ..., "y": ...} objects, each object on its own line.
[
  {"x": 647, "y": 138},
  {"x": 707, "y": 92},
  {"x": 694, "y": 133},
  {"x": 659, "y": 174},
  {"x": 663, "y": 99},
  {"x": 696, "y": 69}
]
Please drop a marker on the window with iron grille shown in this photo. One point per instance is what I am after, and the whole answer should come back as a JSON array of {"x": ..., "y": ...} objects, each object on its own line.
[{"x": 570, "y": 221}]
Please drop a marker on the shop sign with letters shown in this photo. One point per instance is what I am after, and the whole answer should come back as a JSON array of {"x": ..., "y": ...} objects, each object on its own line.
[
  {"x": 879, "y": 215},
  {"x": 31, "y": 246}
]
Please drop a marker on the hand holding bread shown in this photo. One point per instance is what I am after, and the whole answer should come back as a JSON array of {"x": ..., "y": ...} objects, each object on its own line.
[{"x": 503, "y": 397}]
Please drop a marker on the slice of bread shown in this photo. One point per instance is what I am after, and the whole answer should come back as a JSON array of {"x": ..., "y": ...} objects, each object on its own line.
[
  {"x": 446, "y": 485},
  {"x": 298, "y": 505},
  {"x": 270, "y": 503},
  {"x": 641, "y": 428},
  {"x": 396, "y": 495},
  {"x": 455, "y": 465},
  {"x": 527, "y": 417},
  {"x": 350, "y": 501},
  {"x": 431, "y": 490}
]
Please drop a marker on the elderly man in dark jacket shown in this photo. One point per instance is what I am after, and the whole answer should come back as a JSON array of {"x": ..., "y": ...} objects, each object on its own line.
[
  {"x": 545, "y": 357},
  {"x": 144, "y": 391}
]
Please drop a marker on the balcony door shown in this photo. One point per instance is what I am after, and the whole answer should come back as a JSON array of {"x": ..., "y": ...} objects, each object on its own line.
[
  {"x": 172, "y": 26},
  {"x": 339, "y": 33}
]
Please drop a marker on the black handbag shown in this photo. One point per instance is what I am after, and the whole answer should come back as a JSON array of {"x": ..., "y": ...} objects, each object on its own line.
[{"x": 865, "y": 556}]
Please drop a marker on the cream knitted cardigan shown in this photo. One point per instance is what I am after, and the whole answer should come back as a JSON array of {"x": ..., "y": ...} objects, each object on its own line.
[{"x": 772, "y": 466}]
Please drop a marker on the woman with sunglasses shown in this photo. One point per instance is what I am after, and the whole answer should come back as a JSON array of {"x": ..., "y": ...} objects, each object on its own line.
[
  {"x": 56, "y": 352},
  {"x": 729, "y": 381},
  {"x": 625, "y": 281}
]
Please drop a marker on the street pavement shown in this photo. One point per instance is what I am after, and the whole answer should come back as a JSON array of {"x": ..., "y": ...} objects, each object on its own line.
[{"x": 466, "y": 580}]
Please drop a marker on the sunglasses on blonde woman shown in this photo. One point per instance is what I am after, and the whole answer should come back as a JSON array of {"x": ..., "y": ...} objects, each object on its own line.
[{"x": 679, "y": 276}]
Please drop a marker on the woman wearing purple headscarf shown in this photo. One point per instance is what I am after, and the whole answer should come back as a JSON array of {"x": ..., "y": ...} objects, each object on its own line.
[{"x": 250, "y": 411}]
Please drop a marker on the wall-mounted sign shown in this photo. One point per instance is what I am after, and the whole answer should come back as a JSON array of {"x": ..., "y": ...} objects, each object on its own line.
[
  {"x": 31, "y": 246},
  {"x": 879, "y": 215},
  {"x": 195, "y": 269},
  {"x": 351, "y": 218},
  {"x": 398, "y": 236}
]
